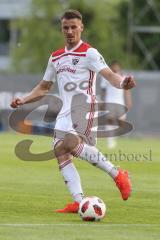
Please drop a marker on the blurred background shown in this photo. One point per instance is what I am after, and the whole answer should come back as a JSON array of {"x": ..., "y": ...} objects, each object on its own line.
[{"x": 125, "y": 30}]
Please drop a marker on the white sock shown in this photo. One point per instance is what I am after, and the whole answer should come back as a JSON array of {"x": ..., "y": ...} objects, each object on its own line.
[
  {"x": 72, "y": 179},
  {"x": 92, "y": 155}
]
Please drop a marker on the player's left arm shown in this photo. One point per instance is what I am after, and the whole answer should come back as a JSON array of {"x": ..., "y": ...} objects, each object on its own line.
[
  {"x": 96, "y": 63},
  {"x": 118, "y": 81}
]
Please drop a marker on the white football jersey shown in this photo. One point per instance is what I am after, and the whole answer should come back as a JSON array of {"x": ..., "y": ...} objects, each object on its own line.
[{"x": 75, "y": 71}]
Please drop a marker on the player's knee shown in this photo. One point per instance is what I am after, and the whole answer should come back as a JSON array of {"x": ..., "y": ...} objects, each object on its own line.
[{"x": 70, "y": 142}]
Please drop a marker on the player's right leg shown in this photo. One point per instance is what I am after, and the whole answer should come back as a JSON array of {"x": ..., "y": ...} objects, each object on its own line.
[{"x": 62, "y": 148}]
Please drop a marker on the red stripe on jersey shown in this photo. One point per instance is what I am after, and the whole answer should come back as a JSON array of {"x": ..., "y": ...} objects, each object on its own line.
[
  {"x": 88, "y": 89},
  {"x": 58, "y": 52},
  {"x": 91, "y": 117},
  {"x": 92, "y": 79},
  {"x": 90, "y": 123},
  {"x": 83, "y": 47},
  {"x": 90, "y": 83},
  {"x": 67, "y": 54}
]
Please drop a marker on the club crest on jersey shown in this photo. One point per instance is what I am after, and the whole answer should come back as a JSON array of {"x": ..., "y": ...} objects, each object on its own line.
[{"x": 75, "y": 61}]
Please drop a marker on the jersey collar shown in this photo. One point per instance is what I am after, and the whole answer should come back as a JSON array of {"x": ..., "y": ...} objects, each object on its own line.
[{"x": 74, "y": 48}]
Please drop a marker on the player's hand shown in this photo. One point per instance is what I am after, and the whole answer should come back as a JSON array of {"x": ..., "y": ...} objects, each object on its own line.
[
  {"x": 128, "y": 83},
  {"x": 17, "y": 102}
]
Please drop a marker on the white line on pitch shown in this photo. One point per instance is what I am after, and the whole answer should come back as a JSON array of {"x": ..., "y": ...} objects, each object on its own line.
[{"x": 76, "y": 224}]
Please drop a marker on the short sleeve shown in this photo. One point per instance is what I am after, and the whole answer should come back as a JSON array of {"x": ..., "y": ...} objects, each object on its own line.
[
  {"x": 50, "y": 73},
  {"x": 95, "y": 61}
]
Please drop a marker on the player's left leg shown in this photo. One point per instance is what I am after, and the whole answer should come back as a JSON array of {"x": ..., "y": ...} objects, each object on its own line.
[{"x": 92, "y": 155}]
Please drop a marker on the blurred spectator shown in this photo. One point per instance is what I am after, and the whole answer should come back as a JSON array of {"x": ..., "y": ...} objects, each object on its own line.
[{"x": 110, "y": 94}]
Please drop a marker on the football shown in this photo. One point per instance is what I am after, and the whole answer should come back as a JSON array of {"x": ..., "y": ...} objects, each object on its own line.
[{"x": 92, "y": 209}]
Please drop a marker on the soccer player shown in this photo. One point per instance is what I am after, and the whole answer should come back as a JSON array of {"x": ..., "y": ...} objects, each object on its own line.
[
  {"x": 71, "y": 66},
  {"x": 109, "y": 95}
]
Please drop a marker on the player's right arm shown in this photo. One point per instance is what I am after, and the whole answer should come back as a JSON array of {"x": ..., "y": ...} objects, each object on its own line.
[
  {"x": 36, "y": 94},
  {"x": 40, "y": 90}
]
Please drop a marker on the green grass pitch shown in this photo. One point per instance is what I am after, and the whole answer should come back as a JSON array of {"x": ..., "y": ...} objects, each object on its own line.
[{"x": 30, "y": 191}]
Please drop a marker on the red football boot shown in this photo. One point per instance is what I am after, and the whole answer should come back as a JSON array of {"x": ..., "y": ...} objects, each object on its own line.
[
  {"x": 70, "y": 208},
  {"x": 124, "y": 184}
]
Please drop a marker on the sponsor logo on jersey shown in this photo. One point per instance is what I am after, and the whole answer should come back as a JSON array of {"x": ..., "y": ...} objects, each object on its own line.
[
  {"x": 66, "y": 69},
  {"x": 75, "y": 61}
]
